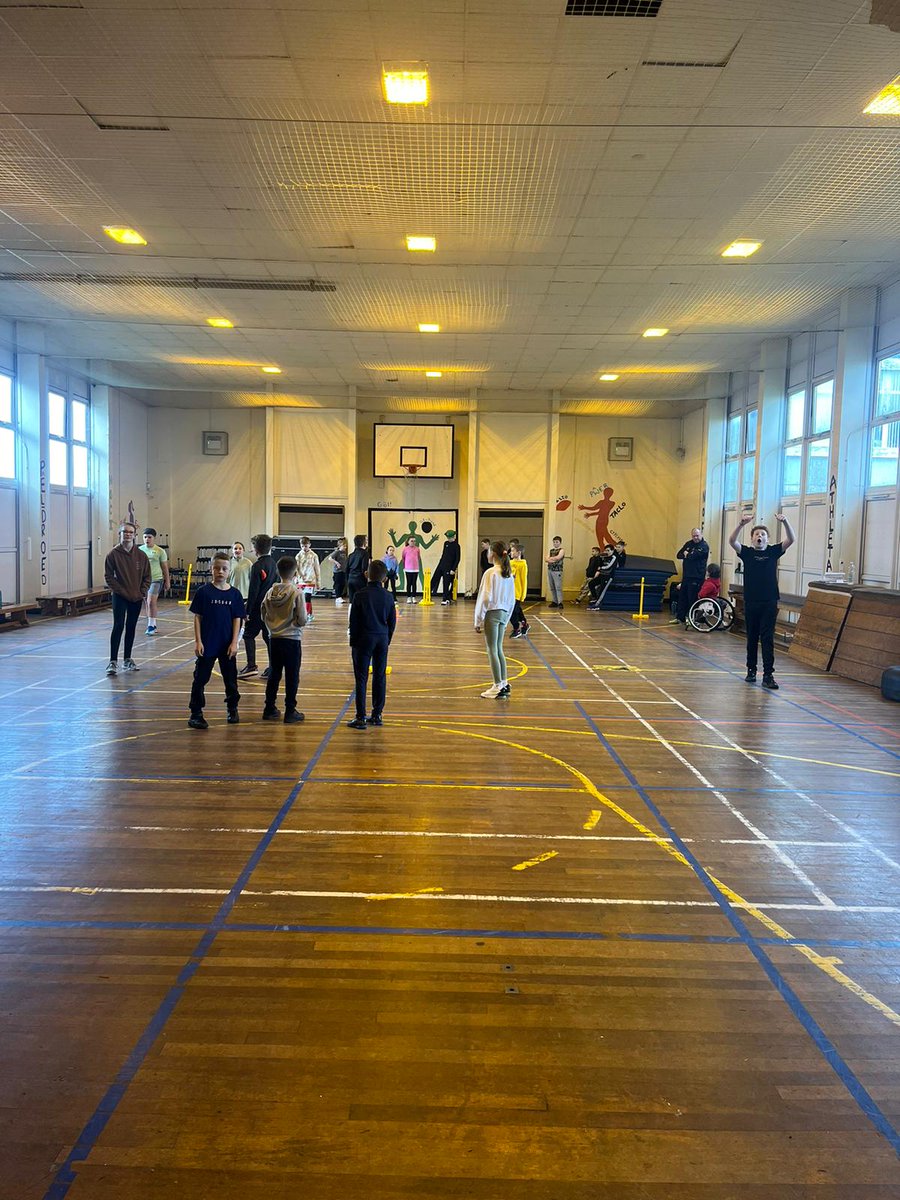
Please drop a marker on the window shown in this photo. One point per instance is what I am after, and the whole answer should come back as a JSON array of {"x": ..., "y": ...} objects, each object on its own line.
[
  {"x": 731, "y": 480},
  {"x": 733, "y": 435},
  {"x": 7, "y": 429},
  {"x": 740, "y": 448},
  {"x": 807, "y": 455},
  {"x": 748, "y": 478},
  {"x": 750, "y": 436},
  {"x": 68, "y": 427},
  {"x": 884, "y": 440}
]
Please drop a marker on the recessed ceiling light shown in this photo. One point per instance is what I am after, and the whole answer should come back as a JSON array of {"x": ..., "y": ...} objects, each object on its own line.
[
  {"x": 271, "y": 370},
  {"x": 429, "y": 328},
  {"x": 405, "y": 83},
  {"x": 220, "y": 322},
  {"x": 741, "y": 249},
  {"x": 608, "y": 378},
  {"x": 887, "y": 102},
  {"x": 433, "y": 374},
  {"x": 654, "y": 333},
  {"x": 420, "y": 242},
  {"x": 124, "y": 236}
]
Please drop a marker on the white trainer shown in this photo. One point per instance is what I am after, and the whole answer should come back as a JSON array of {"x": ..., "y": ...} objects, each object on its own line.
[{"x": 492, "y": 692}]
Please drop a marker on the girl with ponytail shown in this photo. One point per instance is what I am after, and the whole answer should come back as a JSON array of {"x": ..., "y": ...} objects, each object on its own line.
[{"x": 496, "y": 598}]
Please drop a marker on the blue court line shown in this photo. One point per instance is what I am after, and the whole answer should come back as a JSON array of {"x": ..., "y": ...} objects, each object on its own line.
[
  {"x": 826, "y": 1047},
  {"x": 104, "y": 1111},
  {"x": 564, "y": 935},
  {"x": 785, "y": 699}
]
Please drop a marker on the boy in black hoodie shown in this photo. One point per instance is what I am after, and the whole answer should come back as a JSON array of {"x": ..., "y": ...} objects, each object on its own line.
[
  {"x": 357, "y": 565},
  {"x": 284, "y": 612},
  {"x": 262, "y": 576}
]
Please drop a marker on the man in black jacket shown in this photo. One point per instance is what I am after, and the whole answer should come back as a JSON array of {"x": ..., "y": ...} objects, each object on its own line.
[
  {"x": 262, "y": 575},
  {"x": 373, "y": 619},
  {"x": 446, "y": 568},
  {"x": 694, "y": 554}
]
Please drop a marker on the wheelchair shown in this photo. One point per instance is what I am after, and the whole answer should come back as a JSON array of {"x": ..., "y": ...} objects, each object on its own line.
[{"x": 711, "y": 613}]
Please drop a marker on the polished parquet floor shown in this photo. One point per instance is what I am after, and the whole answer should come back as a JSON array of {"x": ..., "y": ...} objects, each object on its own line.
[{"x": 631, "y": 935}]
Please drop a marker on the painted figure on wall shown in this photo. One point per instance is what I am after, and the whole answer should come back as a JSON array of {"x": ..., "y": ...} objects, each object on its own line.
[{"x": 601, "y": 510}]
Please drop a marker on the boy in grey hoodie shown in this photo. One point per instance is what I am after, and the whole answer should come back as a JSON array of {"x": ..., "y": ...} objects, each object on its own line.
[{"x": 284, "y": 613}]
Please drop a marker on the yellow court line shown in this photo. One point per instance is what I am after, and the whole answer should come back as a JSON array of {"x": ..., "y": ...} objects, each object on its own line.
[
  {"x": 825, "y": 965},
  {"x": 634, "y": 737},
  {"x": 593, "y": 819},
  {"x": 533, "y": 862}
]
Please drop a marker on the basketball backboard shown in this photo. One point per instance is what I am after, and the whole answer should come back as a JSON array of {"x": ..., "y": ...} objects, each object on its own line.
[{"x": 426, "y": 448}]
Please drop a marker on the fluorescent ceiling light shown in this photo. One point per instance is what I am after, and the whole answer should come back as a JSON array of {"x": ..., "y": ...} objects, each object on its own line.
[
  {"x": 429, "y": 328},
  {"x": 220, "y": 322},
  {"x": 741, "y": 249},
  {"x": 608, "y": 378},
  {"x": 887, "y": 102},
  {"x": 654, "y": 333},
  {"x": 419, "y": 242},
  {"x": 405, "y": 83},
  {"x": 271, "y": 370},
  {"x": 433, "y": 374},
  {"x": 124, "y": 236}
]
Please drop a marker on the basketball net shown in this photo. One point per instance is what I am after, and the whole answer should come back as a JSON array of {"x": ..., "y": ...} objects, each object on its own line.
[{"x": 410, "y": 470}]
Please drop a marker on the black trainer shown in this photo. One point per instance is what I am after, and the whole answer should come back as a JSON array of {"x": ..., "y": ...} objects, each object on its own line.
[
  {"x": 271, "y": 714},
  {"x": 769, "y": 682},
  {"x": 294, "y": 717},
  {"x": 233, "y": 718},
  {"x": 357, "y": 723},
  {"x": 197, "y": 721},
  {"x": 750, "y": 677},
  {"x": 373, "y": 720},
  {"x": 504, "y": 692}
]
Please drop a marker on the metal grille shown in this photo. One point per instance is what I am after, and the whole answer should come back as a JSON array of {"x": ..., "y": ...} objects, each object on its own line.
[
  {"x": 171, "y": 281},
  {"x": 612, "y": 8}
]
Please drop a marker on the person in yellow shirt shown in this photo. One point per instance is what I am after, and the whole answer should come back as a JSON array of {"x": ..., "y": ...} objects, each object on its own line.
[{"x": 520, "y": 578}]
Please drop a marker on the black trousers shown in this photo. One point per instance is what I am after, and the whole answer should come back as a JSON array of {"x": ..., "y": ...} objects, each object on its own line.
[
  {"x": 412, "y": 583},
  {"x": 356, "y": 583},
  {"x": 203, "y": 669},
  {"x": 125, "y": 616},
  {"x": 284, "y": 657},
  {"x": 339, "y": 586},
  {"x": 391, "y": 582},
  {"x": 759, "y": 618},
  {"x": 375, "y": 654},
  {"x": 687, "y": 594},
  {"x": 517, "y": 617},
  {"x": 253, "y": 626},
  {"x": 447, "y": 575}
]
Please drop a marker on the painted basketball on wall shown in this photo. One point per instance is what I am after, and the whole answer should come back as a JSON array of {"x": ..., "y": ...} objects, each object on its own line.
[{"x": 562, "y": 503}]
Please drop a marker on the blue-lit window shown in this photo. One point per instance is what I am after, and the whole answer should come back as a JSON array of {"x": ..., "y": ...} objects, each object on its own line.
[
  {"x": 884, "y": 437},
  {"x": 7, "y": 429},
  {"x": 68, "y": 425}
]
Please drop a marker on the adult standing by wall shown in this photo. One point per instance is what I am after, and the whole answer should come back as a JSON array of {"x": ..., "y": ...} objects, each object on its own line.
[
  {"x": 262, "y": 576},
  {"x": 127, "y": 573},
  {"x": 694, "y": 555},
  {"x": 446, "y": 568},
  {"x": 761, "y": 593}
]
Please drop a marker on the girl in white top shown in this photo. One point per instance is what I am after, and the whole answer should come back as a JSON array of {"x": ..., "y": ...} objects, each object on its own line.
[
  {"x": 496, "y": 597},
  {"x": 239, "y": 569}
]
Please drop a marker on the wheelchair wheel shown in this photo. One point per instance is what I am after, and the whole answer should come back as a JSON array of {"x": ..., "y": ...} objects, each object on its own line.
[
  {"x": 726, "y": 609},
  {"x": 704, "y": 615}
]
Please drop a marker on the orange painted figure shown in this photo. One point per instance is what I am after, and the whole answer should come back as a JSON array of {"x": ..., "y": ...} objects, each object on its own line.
[{"x": 601, "y": 510}]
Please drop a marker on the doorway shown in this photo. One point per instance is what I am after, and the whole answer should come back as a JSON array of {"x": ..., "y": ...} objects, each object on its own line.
[{"x": 526, "y": 525}]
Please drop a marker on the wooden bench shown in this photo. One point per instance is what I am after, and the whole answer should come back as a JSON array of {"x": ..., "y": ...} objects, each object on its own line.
[
  {"x": 785, "y": 627},
  {"x": 68, "y": 604},
  {"x": 13, "y": 614}
]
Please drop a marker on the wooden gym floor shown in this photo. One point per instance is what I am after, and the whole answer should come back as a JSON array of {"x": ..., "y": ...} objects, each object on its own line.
[{"x": 631, "y": 935}]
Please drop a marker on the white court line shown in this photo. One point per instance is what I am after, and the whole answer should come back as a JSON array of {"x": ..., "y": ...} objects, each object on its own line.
[
  {"x": 770, "y": 771},
  {"x": 473, "y": 897},
  {"x": 776, "y": 850},
  {"x": 27, "y": 687}
]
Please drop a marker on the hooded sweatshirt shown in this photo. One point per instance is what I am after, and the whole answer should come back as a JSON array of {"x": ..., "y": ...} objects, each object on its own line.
[{"x": 284, "y": 611}]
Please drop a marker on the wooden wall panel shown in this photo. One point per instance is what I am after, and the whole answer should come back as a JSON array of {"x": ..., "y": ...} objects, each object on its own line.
[
  {"x": 819, "y": 628},
  {"x": 870, "y": 640}
]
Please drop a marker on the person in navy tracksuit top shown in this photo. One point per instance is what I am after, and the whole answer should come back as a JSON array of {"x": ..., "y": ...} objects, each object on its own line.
[{"x": 373, "y": 618}]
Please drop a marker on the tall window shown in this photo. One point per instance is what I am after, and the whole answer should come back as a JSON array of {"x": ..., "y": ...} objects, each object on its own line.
[
  {"x": 807, "y": 437},
  {"x": 7, "y": 429},
  {"x": 740, "y": 455},
  {"x": 68, "y": 426},
  {"x": 884, "y": 441}
]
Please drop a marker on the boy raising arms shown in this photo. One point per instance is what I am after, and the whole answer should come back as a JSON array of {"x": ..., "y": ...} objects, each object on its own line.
[
  {"x": 761, "y": 593},
  {"x": 218, "y": 610}
]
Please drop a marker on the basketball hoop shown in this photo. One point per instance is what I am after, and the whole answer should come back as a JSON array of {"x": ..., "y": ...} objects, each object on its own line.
[{"x": 410, "y": 469}]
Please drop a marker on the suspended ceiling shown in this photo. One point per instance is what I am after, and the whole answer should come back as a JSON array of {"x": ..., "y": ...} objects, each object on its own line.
[{"x": 581, "y": 175}]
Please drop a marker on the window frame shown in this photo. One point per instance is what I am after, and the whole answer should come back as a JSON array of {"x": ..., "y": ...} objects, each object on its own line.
[
  {"x": 69, "y": 441},
  {"x": 11, "y": 426},
  {"x": 801, "y": 444},
  {"x": 881, "y": 421}
]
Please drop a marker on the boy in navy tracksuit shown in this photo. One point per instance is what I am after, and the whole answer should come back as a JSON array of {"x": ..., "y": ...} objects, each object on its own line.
[
  {"x": 218, "y": 612},
  {"x": 373, "y": 618}
]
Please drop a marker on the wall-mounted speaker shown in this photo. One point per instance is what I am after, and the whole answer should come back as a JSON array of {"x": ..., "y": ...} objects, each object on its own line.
[{"x": 215, "y": 442}]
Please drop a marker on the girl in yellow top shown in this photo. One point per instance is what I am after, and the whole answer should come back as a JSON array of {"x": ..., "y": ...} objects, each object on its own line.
[{"x": 520, "y": 577}]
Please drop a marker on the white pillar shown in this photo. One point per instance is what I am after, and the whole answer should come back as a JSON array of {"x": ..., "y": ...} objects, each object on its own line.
[
  {"x": 852, "y": 397},
  {"x": 471, "y": 547}
]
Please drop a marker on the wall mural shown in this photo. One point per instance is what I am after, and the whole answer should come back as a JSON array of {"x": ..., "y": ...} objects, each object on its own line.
[
  {"x": 428, "y": 526},
  {"x": 603, "y": 510}
]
